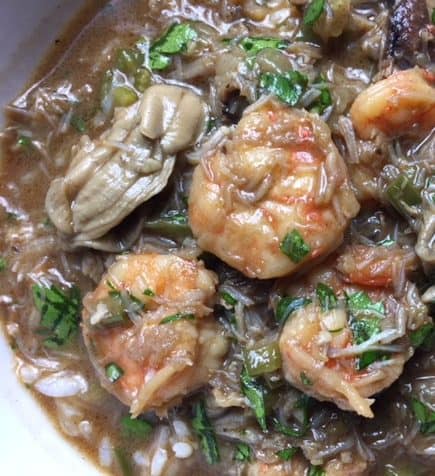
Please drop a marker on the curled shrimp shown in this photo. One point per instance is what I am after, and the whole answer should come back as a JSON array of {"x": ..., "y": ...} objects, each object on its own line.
[
  {"x": 277, "y": 180},
  {"x": 402, "y": 104},
  {"x": 352, "y": 338},
  {"x": 149, "y": 330}
]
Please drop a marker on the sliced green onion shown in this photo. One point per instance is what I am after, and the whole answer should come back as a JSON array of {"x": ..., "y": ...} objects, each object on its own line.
[
  {"x": 113, "y": 372},
  {"x": 288, "y": 87},
  {"x": 314, "y": 12},
  {"x": 254, "y": 45},
  {"x": 180, "y": 316},
  {"x": 243, "y": 453},
  {"x": 255, "y": 393},
  {"x": 135, "y": 428},
  {"x": 124, "y": 96},
  {"x": 262, "y": 359},
  {"x": 171, "y": 224},
  {"x": 287, "y": 305},
  {"x": 229, "y": 299},
  {"x": 294, "y": 246},
  {"x": 202, "y": 426}
]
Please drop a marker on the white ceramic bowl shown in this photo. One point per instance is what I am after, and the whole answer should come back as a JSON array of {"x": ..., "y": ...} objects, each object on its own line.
[{"x": 29, "y": 444}]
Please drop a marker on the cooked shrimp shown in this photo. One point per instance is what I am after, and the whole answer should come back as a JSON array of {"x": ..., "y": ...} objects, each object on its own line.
[
  {"x": 298, "y": 466},
  {"x": 350, "y": 346},
  {"x": 149, "y": 321},
  {"x": 277, "y": 183},
  {"x": 402, "y": 104}
]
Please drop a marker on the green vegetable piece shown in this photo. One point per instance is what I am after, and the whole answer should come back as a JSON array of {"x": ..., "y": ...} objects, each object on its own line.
[
  {"x": 422, "y": 335},
  {"x": 402, "y": 193},
  {"x": 149, "y": 292},
  {"x": 229, "y": 299},
  {"x": 3, "y": 264},
  {"x": 313, "y": 13},
  {"x": 287, "y": 454},
  {"x": 113, "y": 372},
  {"x": 123, "y": 461},
  {"x": 255, "y": 393},
  {"x": 296, "y": 431},
  {"x": 316, "y": 471},
  {"x": 288, "y": 87},
  {"x": 361, "y": 305},
  {"x": 121, "y": 305},
  {"x": 60, "y": 313},
  {"x": 367, "y": 358},
  {"x": 173, "y": 224},
  {"x": 254, "y": 45},
  {"x": 326, "y": 296},
  {"x": 287, "y": 305},
  {"x": 387, "y": 242},
  {"x": 322, "y": 102},
  {"x": 425, "y": 416},
  {"x": 176, "y": 40},
  {"x": 25, "y": 142},
  {"x": 243, "y": 453},
  {"x": 79, "y": 124},
  {"x": 178, "y": 317},
  {"x": 206, "y": 434},
  {"x": 433, "y": 16},
  {"x": 135, "y": 428},
  {"x": 306, "y": 380},
  {"x": 129, "y": 60},
  {"x": 262, "y": 359},
  {"x": 124, "y": 96},
  {"x": 294, "y": 246},
  {"x": 142, "y": 79}
]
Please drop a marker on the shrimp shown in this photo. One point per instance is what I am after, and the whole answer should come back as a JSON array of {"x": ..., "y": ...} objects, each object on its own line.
[
  {"x": 278, "y": 182},
  {"x": 298, "y": 466},
  {"x": 402, "y": 104},
  {"x": 350, "y": 341},
  {"x": 149, "y": 329}
]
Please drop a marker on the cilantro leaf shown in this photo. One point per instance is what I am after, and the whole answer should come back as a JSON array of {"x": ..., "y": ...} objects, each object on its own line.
[
  {"x": 326, "y": 296},
  {"x": 294, "y": 246},
  {"x": 425, "y": 416},
  {"x": 255, "y": 393},
  {"x": 360, "y": 304},
  {"x": 288, "y": 87},
  {"x": 206, "y": 434},
  {"x": 253, "y": 45},
  {"x": 314, "y": 11},
  {"x": 287, "y": 305},
  {"x": 243, "y": 452}
]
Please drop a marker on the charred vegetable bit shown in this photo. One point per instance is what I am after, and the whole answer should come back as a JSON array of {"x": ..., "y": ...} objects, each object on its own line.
[
  {"x": 314, "y": 11},
  {"x": 402, "y": 194},
  {"x": 135, "y": 428},
  {"x": 425, "y": 416},
  {"x": 255, "y": 392},
  {"x": 243, "y": 453},
  {"x": 286, "y": 454},
  {"x": 253, "y": 45},
  {"x": 123, "y": 461},
  {"x": 113, "y": 372},
  {"x": 288, "y": 87},
  {"x": 423, "y": 336},
  {"x": 263, "y": 359},
  {"x": 178, "y": 317},
  {"x": 60, "y": 313},
  {"x": 176, "y": 40},
  {"x": 202, "y": 426},
  {"x": 326, "y": 297},
  {"x": 287, "y": 305},
  {"x": 294, "y": 246}
]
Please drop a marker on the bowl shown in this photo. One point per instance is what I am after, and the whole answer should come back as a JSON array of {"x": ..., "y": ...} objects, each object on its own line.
[{"x": 30, "y": 443}]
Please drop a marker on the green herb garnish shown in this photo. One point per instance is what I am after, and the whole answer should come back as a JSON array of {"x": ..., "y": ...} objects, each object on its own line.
[
  {"x": 294, "y": 246},
  {"x": 423, "y": 335},
  {"x": 322, "y": 102},
  {"x": 255, "y": 392},
  {"x": 326, "y": 296},
  {"x": 253, "y": 45},
  {"x": 135, "y": 428},
  {"x": 176, "y": 40},
  {"x": 123, "y": 461},
  {"x": 179, "y": 316},
  {"x": 425, "y": 416},
  {"x": 149, "y": 292},
  {"x": 3, "y": 264},
  {"x": 286, "y": 454},
  {"x": 402, "y": 193},
  {"x": 206, "y": 434},
  {"x": 287, "y": 305},
  {"x": 306, "y": 380},
  {"x": 25, "y": 142},
  {"x": 229, "y": 299},
  {"x": 173, "y": 223},
  {"x": 360, "y": 304},
  {"x": 433, "y": 16},
  {"x": 316, "y": 470},
  {"x": 313, "y": 12},
  {"x": 243, "y": 453},
  {"x": 113, "y": 372},
  {"x": 78, "y": 123},
  {"x": 296, "y": 431},
  {"x": 288, "y": 87},
  {"x": 60, "y": 313}
]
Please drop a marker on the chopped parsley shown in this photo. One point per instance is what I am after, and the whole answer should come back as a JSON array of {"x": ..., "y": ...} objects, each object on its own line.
[
  {"x": 287, "y": 305},
  {"x": 179, "y": 316},
  {"x": 60, "y": 313},
  {"x": 288, "y": 87},
  {"x": 174, "y": 41},
  {"x": 3, "y": 264},
  {"x": 294, "y": 246},
  {"x": 425, "y": 416},
  {"x": 286, "y": 454},
  {"x": 326, "y": 297},
  {"x": 314, "y": 12},
  {"x": 306, "y": 380},
  {"x": 255, "y": 392},
  {"x": 243, "y": 453},
  {"x": 113, "y": 372},
  {"x": 135, "y": 428},
  {"x": 253, "y": 45},
  {"x": 206, "y": 434}
]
